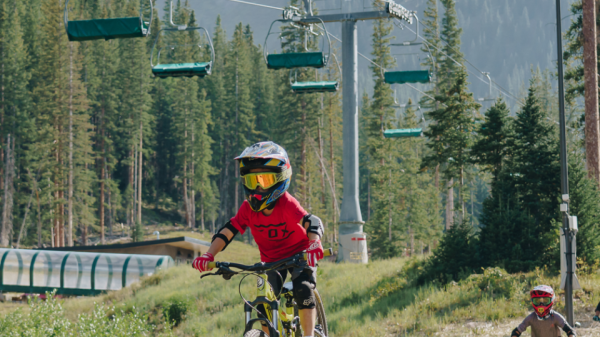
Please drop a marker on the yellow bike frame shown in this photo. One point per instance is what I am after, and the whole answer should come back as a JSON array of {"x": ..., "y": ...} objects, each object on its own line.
[{"x": 276, "y": 314}]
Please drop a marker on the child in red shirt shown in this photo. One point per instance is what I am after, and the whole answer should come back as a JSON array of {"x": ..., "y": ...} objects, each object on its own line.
[{"x": 280, "y": 226}]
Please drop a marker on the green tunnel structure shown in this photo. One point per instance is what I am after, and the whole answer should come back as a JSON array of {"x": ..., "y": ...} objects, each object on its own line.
[{"x": 74, "y": 273}]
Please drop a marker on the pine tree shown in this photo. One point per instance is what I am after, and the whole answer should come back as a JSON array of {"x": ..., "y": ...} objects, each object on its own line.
[
  {"x": 454, "y": 258},
  {"x": 451, "y": 136},
  {"x": 15, "y": 119},
  {"x": 585, "y": 204},
  {"x": 452, "y": 62},
  {"x": 134, "y": 126},
  {"x": 536, "y": 162},
  {"x": 520, "y": 218},
  {"x": 491, "y": 147},
  {"x": 383, "y": 166},
  {"x": 417, "y": 197}
]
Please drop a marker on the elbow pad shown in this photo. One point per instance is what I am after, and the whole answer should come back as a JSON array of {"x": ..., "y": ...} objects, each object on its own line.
[
  {"x": 515, "y": 333},
  {"x": 223, "y": 237},
  {"x": 568, "y": 330},
  {"x": 315, "y": 225}
]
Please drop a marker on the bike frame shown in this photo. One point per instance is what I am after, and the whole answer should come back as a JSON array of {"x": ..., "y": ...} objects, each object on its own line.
[
  {"x": 266, "y": 296},
  {"x": 275, "y": 318}
]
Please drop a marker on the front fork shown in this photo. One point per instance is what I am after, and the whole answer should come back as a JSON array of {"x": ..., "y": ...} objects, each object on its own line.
[{"x": 267, "y": 298}]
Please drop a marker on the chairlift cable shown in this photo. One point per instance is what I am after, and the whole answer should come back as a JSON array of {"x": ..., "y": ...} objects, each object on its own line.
[
  {"x": 368, "y": 59},
  {"x": 259, "y": 5},
  {"x": 502, "y": 90}
]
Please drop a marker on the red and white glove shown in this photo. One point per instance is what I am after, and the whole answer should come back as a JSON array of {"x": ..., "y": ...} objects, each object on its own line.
[
  {"x": 201, "y": 263},
  {"x": 314, "y": 252}
]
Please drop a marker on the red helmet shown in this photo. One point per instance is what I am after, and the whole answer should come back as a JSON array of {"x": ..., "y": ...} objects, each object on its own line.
[{"x": 542, "y": 299}]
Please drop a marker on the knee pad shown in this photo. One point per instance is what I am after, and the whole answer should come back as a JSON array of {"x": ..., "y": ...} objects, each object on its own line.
[{"x": 304, "y": 295}]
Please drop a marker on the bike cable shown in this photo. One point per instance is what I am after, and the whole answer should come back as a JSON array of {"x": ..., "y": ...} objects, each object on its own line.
[{"x": 248, "y": 303}]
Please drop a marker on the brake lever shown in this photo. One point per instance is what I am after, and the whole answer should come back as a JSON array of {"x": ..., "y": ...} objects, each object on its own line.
[
  {"x": 223, "y": 271},
  {"x": 205, "y": 275}
]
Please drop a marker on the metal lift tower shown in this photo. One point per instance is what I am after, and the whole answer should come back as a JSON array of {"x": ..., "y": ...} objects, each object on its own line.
[{"x": 352, "y": 240}]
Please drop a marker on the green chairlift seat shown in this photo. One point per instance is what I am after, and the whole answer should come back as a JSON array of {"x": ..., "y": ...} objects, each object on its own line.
[
  {"x": 113, "y": 28},
  {"x": 188, "y": 69},
  {"x": 310, "y": 87},
  {"x": 413, "y": 76},
  {"x": 118, "y": 28},
  {"x": 200, "y": 69},
  {"x": 296, "y": 60},
  {"x": 403, "y": 133}
]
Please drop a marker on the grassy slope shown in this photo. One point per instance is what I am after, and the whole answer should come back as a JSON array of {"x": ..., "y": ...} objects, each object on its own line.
[{"x": 361, "y": 300}]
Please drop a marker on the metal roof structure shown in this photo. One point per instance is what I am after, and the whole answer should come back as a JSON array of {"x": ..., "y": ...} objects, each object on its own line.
[{"x": 74, "y": 273}]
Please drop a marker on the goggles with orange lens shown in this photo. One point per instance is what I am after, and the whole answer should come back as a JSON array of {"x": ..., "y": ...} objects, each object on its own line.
[{"x": 262, "y": 179}]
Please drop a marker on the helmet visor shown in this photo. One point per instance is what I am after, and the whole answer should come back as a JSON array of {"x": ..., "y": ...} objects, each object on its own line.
[
  {"x": 541, "y": 300},
  {"x": 262, "y": 179}
]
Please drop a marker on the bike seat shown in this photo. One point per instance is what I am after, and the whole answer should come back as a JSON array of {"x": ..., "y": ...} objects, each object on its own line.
[{"x": 287, "y": 287}]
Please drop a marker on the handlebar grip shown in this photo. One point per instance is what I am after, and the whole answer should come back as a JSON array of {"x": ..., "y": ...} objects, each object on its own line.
[
  {"x": 212, "y": 265},
  {"x": 327, "y": 252}
]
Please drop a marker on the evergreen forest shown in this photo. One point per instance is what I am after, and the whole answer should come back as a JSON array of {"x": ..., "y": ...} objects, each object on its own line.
[{"x": 94, "y": 147}]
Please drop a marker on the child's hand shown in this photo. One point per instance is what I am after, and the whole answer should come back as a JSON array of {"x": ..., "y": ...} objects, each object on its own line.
[
  {"x": 314, "y": 252},
  {"x": 201, "y": 263}
]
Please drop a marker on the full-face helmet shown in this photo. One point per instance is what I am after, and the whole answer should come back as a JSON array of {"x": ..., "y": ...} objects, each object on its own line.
[
  {"x": 263, "y": 188},
  {"x": 542, "y": 299}
]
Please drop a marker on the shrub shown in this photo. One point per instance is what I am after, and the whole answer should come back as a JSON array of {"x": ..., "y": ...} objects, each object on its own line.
[
  {"x": 496, "y": 282},
  {"x": 454, "y": 259},
  {"x": 47, "y": 318},
  {"x": 176, "y": 309}
]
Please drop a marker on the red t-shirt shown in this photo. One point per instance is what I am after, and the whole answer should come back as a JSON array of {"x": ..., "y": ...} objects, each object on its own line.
[{"x": 278, "y": 235}]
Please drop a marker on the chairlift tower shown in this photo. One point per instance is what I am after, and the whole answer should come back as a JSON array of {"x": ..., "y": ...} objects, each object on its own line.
[{"x": 352, "y": 240}]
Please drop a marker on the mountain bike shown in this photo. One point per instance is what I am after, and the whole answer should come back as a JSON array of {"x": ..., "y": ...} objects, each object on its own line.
[{"x": 281, "y": 320}]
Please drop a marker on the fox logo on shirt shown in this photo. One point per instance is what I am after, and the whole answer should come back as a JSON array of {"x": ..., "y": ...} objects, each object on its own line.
[{"x": 275, "y": 232}]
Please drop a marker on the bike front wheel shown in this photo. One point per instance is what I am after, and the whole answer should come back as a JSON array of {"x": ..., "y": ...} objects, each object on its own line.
[
  {"x": 321, "y": 329},
  {"x": 321, "y": 319},
  {"x": 255, "y": 333}
]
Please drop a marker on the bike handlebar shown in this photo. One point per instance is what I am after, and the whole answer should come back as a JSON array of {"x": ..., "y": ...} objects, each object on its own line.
[{"x": 264, "y": 266}]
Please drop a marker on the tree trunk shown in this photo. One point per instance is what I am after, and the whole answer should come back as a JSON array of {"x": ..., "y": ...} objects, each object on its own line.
[
  {"x": 321, "y": 168},
  {"x": 390, "y": 209},
  {"x": 590, "y": 64},
  {"x": 186, "y": 204},
  {"x": 450, "y": 205},
  {"x": 131, "y": 183},
  {"x": 368, "y": 197},
  {"x": 26, "y": 212},
  {"x": 224, "y": 194},
  {"x": 140, "y": 165},
  {"x": 303, "y": 156},
  {"x": 8, "y": 195},
  {"x": 56, "y": 199},
  {"x": 70, "y": 204},
  {"x": 461, "y": 193},
  {"x": 334, "y": 197},
  {"x": 192, "y": 176},
  {"x": 110, "y": 208},
  {"x": 39, "y": 216},
  {"x": 101, "y": 206},
  {"x": 202, "y": 211}
]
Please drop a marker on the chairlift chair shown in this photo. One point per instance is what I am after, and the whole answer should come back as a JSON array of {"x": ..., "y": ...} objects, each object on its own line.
[
  {"x": 191, "y": 69},
  {"x": 410, "y": 76},
  {"x": 293, "y": 61},
  {"x": 297, "y": 60},
  {"x": 112, "y": 28},
  {"x": 403, "y": 133},
  {"x": 314, "y": 86}
]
